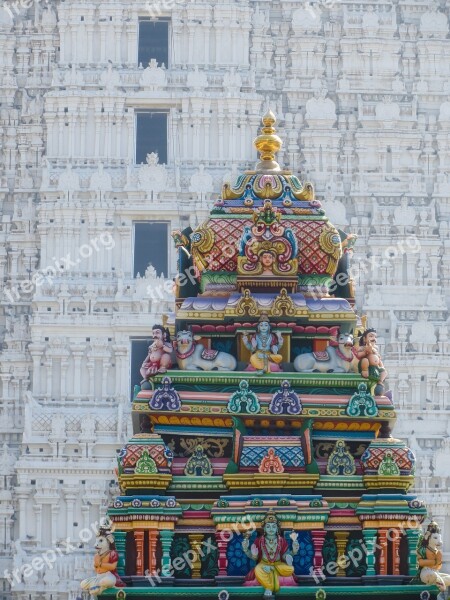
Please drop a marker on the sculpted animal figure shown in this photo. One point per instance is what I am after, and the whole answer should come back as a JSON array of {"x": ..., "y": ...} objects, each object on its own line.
[
  {"x": 429, "y": 554},
  {"x": 192, "y": 356},
  {"x": 105, "y": 564},
  {"x": 336, "y": 359}
]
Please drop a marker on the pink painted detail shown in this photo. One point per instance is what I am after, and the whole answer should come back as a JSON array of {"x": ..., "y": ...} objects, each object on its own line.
[
  {"x": 208, "y": 354},
  {"x": 265, "y": 179},
  {"x": 222, "y": 561},
  {"x": 196, "y": 514},
  {"x": 284, "y": 582},
  {"x": 285, "y": 440},
  {"x": 318, "y": 537},
  {"x": 342, "y": 512}
]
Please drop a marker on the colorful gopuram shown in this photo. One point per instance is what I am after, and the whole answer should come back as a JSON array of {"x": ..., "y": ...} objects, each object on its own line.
[{"x": 262, "y": 462}]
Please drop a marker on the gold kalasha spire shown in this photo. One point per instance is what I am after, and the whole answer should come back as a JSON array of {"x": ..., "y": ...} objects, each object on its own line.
[{"x": 268, "y": 144}]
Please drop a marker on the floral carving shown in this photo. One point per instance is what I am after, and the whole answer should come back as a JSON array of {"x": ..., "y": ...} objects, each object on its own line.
[
  {"x": 285, "y": 401},
  {"x": 283, "y": 305},
  {"x": 362, "y": 404},
  {"x": 244, "y": 400},
  {"x": 271, "y": 463},
  {"x": 341, "y": 462},
  {"x": 198, "y": 464},
  {"x": 165, "y": 397}
]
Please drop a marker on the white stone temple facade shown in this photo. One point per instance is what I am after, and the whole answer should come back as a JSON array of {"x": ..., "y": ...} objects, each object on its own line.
[{"x": 99, "y": 151}]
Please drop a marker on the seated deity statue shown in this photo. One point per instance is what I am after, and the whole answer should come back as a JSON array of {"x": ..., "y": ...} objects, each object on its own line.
[
  {"x": 370, "y": 21},
  {"x": 153, "y": 76},
  {"x": 387, "y": 110},
  {"x": 398, "y": 85},
  {"x": 320, "y": 107},
  {"x": 271, "y": 553},
  {"x": 433, "y": 23},
  {"x": 264, "y": 346},
  {"x": 370, "y": 364},
  {"x": 159, "y": 357},
  {"x": 429, "y": 554},
  {"x": 444, "y": 111}
]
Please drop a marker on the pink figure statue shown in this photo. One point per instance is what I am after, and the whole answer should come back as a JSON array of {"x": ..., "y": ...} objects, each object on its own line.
[{"x": 159, "y": 357}]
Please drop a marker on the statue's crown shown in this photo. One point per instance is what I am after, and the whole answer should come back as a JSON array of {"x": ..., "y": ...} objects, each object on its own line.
[{"x": 270, "y": 517}]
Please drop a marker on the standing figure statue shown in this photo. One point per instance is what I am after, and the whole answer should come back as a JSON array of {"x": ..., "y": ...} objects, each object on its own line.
[
  {"x": 429, "y": 554},
  {"x": 370, "y": 364},
  {"x": 264, "y": 346},
  {"x": 274, "y": 561},
  {"x": 105, "y": 564},
  {"x": 159, "y": 357}
]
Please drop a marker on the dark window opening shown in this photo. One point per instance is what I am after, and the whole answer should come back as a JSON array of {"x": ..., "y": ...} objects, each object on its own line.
[
  {"x": 153, "y": 42},
  {"x": 151, "y": 245},
  {"x": 131, "y": 554},
  {"x": 139, "y": 350},
  {"x": 151, "y": 136}
]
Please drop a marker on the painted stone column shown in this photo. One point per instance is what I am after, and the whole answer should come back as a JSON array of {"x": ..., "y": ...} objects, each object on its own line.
[
  {"x": 195, "y": 540},
  {"x": 396, "y": 553},
  {"x": 120, "y": 540},
  {"x": 370, "y": 536},
  {"x": 222, "y": 545},
  {"x": 152, "y": 540},
  {"x": 341, "y": 538},
  {"x": 382, "y": 542},
  {"x": 318, "y": 538},
  {"x": 413, "y": 537},
  {"x": 166, "y": 537},
  {"x": 139, "y": 539}
]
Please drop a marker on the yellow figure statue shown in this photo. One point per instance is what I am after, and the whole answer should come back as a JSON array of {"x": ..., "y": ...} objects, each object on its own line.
[{"x": 274, "y": 561}]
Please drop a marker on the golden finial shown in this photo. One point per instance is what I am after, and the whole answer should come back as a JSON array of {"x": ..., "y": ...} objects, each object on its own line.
[{"x": 268, "y": 144}]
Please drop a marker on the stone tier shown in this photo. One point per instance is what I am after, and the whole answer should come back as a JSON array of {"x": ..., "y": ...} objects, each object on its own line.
[{"x": 373, "y": 591}]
